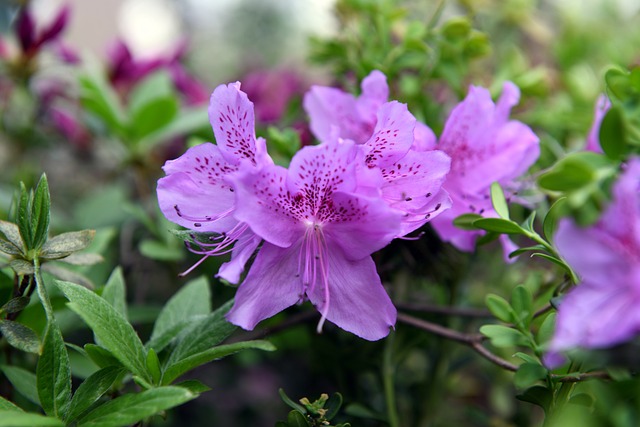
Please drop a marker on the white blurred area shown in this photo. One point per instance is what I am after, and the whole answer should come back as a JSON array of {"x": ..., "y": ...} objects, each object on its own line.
[{"x": 225, "y": 36}]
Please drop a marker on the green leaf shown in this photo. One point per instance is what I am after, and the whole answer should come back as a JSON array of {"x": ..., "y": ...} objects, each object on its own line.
[
  {"x": 498, "y": 225},
  {"x": 65, "y": 244},
  {"x": 296, "y": 419},
  {"x": 498, "y": 200},
  {"x": 41, "y": 215},
  {"x": 194, "y": 386},
  {"x": 500, "y": 308},
  {"x": 613, "y": 133},
  {"x": 333, "y": 405},
  {"x": 520, "y": 251},
  {"x": 156, "y": 85},
  {"x": 15, "y": 305},
  {"x": 21, "y": 266},
  {"x": 570, "y": 173},
  {"x": 12, "y": 234},
  {"x": 582, "y": 399},
  {"x": 556, "y": 261},
  {"x": 160, "y": 251},
  {"x": 114, "y": 292},
  {"x": 526, "y": 358},
  {"x": 6, "y": 405},
  {"x": 153, "y": 366},
  {"x": 293, "y": 405},
  {"x": 203, "y": 334},
  {"x": 537, "y": 395},
  {"x": 154, "y": 116},
  {"x": 98, "y": 97},
  {"x": 194, "y": 299},
  {"x": 183, "y": 366},
  {"x": 132, "y": 408},
  {"x": 187, "y": 122},
  {"x": 23, "y": 381},
  {"x": 101, "y": 356},
  {"x": 522, "y": 303},
  {"x": 465, "y": 221},
  {"x": 116, "y": 334},
  {"x": 92, "y": 389},
  {"x": 503, "y": 336},
  {"x": 53, "y": 374},
  {"x": 528, "y": 374},
  {"x": 551, "y": 218},
  {"x": 20, "y": 336},
  {"x": 545, "y": 332},
  {"x": 24, "y": 217},
  {"x": 26, "y": 419}
]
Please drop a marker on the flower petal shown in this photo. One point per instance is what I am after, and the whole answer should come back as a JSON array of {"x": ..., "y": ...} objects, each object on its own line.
[
  {"x": 331, "y": 108},
  {"x": 243, "y": 248},
  {"x": 271, "y": 285},
  {"x": 392, "y": 136},
  {"x": 375, "y": 92},
  {"x": 196, "y": 185},
  {"x": 357, "y": 301},
  {"x": 232, "y": 119}
]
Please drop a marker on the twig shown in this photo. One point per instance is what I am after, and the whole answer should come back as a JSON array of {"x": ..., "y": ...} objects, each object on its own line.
[{"x": 446, "y": 310}]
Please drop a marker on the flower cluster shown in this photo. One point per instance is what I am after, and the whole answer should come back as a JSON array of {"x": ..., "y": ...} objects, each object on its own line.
[
  {"x": 602, "y": 310},
  {"x": 376, "y": 175}
]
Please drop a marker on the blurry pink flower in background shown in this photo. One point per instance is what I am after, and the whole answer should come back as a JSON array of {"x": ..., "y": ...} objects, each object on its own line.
[
  {"x": 125, "y": 71},
  {"x": 271, "y": 92},
  {"x": 603, "y": 310},
  {"x": 593, "y": 139}
]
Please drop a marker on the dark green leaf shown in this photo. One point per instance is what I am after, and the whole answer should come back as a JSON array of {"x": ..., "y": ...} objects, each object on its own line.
[
  {"x": 613, "y": 133},
  {"x": 503, "y": 336},
  {"x": 551, "y": 218},
  {"x": 193, "y": 299},
  {"x": 522, "y": 303},
  {"x": 498, "y": 225},
  {"x": 15, "y": 305},
  {"x": 184, "y": 365},
  {"x": 116, "y": 334},
  {"x": 92, "y": 389},
  {"x": 24, "y": 217},
  {"x": 131, "y": 408},
  {"x": 293, "y": 405},
  {"x": 555, "y": 261},
  {"x": 26, "y": 419},
  {"x": 188, "y": 121},
  {"x": 617, "y": 82},
  {"x": 528, "y": 374},
  {"x": 545, "y": 332},
  {"x": 99, "y": 99},
  {"x": 153, "y": 366},
  {"x": 499, "y": 201},
  {"x": 296, "y": 419},
  {"x": 582, "y": 399},
  {"x": 23, "y": 381},
  {"x": 520, "y": 251},
  {"x": 194, "y": 386},
  {"x": 114, "y": 292},
  {"x": 465, "y": 221},
  {"x": 65, "y": 244},
  {"x": 6, "y": 405},
  {"x": 333, "y": 405},
  {"x": 12, "y": 234},
  {"x": 41, "y": 215},
  {"x": 20, "y": 336},
  {"x": 101, "y": 356},
  {"x": 154, "y": 116},
  {"x": 203, "y": 334},
  {"x": 537, "y": 395},
  {"x": 500, "y": 308},
  {"x": 53, "y": 374}
]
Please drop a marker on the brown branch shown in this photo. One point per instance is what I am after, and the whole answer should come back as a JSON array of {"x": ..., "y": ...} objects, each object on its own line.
[
  {"x": 581, "y": 377},
  {"x": 446, "y": 310}
]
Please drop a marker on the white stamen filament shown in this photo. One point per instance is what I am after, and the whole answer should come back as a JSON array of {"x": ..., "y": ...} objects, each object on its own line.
[{"x": 313, "y": 255}]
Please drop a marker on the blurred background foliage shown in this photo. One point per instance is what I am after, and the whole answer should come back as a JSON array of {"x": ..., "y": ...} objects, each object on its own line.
[{"x": 100, "y": 117}]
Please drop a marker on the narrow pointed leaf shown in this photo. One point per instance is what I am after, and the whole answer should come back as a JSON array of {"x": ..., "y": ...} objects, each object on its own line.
[
  {"x": 114, "y": 292},
  {"x": 6, "y": 405},
  {"x": 498, "y": 225},
  {"x": 15, "y": 305},
  {"x": 41, "y": 213},
  {"x": 499, "y": 202},
  {"x": 183, "y": 366},
  {"x": 500, "y": 308},
  {"x": 101, "y": 356},
  {"x": 53, "y": 374},
  {"x": 24, "y": 217},
  {"x": 131, "y": 408},
  {"x": 203, "y": 334},
  {"x": 465, "y": 221},
  {"x": 551, "y": 219},
  {"x": 66, "y": 243},
  {"x": 194, "y": 386},
  {"x": 194, "y": 299},
  {"x": 20, "y": 336},
  {"x": 153, "y": 366},
  {"x": 116, "y": 334},
  {"x": 92, "y": 389},
  {"x": 26, "y": 419}
]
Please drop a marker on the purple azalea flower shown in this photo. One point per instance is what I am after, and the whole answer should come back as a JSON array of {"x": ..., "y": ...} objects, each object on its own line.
[
  {"x": 319, "y": 229},
  {"x": 603, "y": 310},
  {"x": 593, "y": 139},
  {"x": 392, "y": 139},
  {"x": 197, "y": 193},
  {"x": 485, "y": 147},
  {"x": 31, "y": 40}
]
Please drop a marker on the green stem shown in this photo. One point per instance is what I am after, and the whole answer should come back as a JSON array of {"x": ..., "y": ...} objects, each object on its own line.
[
  {"x": 42, "y": 293},
  {"x": 388, "y": 376}
]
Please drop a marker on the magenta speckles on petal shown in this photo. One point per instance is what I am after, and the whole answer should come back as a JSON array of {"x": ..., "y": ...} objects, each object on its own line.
[{"x": 232, "y": 118}]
